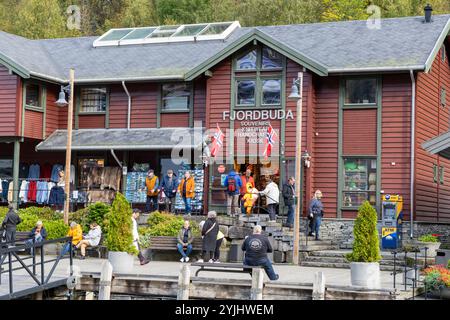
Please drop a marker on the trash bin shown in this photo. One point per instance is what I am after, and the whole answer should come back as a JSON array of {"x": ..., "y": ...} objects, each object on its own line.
[{"x": 442, "y": 256}]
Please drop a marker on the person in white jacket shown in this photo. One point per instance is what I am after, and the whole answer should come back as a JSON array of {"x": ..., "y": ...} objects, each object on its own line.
[
  {"x": 92, "y": 239},
  {"x": 134, "y": 217},
  {"x": 272, "y": 194}
]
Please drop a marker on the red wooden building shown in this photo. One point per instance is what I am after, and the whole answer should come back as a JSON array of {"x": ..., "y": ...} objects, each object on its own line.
[{"x": 371, "y": 97}]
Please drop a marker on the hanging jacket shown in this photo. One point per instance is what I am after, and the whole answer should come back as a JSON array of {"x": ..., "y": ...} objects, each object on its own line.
[
  {"x": 190, "y": 187},
  {"x": 152, "y": 184}
]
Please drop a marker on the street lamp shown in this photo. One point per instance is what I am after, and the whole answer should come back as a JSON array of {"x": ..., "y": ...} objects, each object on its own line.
[
  {"x": 62, "y": 102},
  {"x": 297, "y": 93}
]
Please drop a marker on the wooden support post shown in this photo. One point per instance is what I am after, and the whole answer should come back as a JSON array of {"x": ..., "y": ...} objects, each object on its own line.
[
  {"x": 257, "y": 284},
  {"x": 184, "y": 280},
  {"x": 105, "y": 281},
  {"x": 16, "y": 165},
  {"x": 319, "y": 286}
]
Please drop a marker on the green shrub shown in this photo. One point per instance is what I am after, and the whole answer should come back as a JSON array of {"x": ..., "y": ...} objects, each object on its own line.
[
  {"x": 3, "y": 212},
  {"x": 366, "y": 243},
  {"x": 169, "y": 228},
  {"x": 28, "y": 221},
  {"x": 44, "y": 213},
  {"x": 81, "y": 217},
  {"x": 448, "y": 264},
  {"x": 119, "y": 225},
  {"x": 428, "y": 238},
  {"x": 97, "y": 213},
  {"x": 56, "y": 229}
]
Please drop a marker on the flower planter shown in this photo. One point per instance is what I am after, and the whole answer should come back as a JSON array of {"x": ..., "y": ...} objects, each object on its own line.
[
  {"x": 365, "y": 274},
  {"x": 122, "y": 262},
  {"x": 432, "y": 248}
]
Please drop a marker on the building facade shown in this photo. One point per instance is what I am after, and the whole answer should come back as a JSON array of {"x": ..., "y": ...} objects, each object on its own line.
[{"x": 371, "y": 98}]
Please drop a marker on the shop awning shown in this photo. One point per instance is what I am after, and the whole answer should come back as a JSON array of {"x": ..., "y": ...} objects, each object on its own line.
[
  {"x": 123, "y": 139},
  {"x": 439, "y": 145}
]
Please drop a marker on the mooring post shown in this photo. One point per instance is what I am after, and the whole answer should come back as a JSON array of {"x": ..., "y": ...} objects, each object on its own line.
[
  {"x": 104, "y": 292},
  {"x": 184, "y": 280},
  {"x": 257, "y": 284},
  {"x": 319, "y": 286}
]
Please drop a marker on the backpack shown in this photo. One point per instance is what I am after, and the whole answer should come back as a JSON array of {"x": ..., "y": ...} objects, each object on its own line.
[{"x": 231, "y": 184}]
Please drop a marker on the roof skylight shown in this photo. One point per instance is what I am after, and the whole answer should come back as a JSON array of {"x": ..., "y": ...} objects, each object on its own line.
[{"x": 161, "y": 34}]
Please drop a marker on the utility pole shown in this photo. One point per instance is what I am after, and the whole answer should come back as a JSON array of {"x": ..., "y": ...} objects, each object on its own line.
[
  {"x": 69, "y": 148},
  {"x": 298, "y": 162}
]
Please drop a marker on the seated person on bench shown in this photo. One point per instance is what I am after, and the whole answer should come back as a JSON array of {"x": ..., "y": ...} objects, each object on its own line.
[
  {"x": 256, "y": 248},
  {"x": 76, "y": 233},
  {"x": 92, "y": 239},
  {"x": 38, "y": 234},
  {"x": 185, "y": 238}
]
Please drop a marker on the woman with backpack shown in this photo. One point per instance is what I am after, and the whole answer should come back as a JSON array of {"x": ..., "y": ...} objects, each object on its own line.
[{"x": 233, "y": 183}]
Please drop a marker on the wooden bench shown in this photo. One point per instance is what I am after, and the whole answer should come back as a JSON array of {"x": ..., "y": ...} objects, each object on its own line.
[
  {"x": 168, "y": 246},
  {"x": 99, "y": 251},
  {"x": 224, "y": 267}
]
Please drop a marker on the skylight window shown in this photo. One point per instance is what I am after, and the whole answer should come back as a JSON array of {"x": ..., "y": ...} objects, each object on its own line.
[{"x": 162, "y": 34}]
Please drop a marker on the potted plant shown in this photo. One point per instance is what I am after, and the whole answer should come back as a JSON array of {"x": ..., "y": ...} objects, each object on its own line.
[
  {"x": 365, "y": 257},
  {"x": 119, "y": 239},
  {"x": 437, "y": 281},
  {"x": 430, "y": 241}
]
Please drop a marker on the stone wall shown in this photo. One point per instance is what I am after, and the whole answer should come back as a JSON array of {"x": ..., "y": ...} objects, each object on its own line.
[{"x": 340, "y": 231}]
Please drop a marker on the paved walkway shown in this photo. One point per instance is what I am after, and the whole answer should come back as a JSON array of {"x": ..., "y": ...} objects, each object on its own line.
[{"x": 289, "y": 274}]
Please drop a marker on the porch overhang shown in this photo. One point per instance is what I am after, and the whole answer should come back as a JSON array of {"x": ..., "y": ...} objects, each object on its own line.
[
  {"x": 123, "y": 139},
  {"x": 439, "y": 145}
]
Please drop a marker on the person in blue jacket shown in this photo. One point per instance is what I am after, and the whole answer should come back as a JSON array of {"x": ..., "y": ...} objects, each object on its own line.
[
  {"x": 233, "y": 183},
  {"x": 169, "y": 186}
]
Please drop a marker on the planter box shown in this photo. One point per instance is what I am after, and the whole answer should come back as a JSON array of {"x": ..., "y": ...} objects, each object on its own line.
[
  {"x": 442, "y": 256},
  {"x": 432, "y": 247},
  {"x": 121, "y": 262},
  {"x": 365, "y": 274}
]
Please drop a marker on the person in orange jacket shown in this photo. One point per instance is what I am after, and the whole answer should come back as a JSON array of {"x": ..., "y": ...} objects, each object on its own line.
[
  {"x": 152, "y": 184},
  {"x": 76, "y": 233},
  {"x": 186, "y": 188}
]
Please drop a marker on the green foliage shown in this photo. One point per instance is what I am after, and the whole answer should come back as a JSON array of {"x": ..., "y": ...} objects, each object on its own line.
[
  {"x": 366, "y": 243},
  {"x": 44, "y": 213},
  {"x": 28, "y": 221},
  {"x": 119, "y": 225},
  {"x": 448, "y": 264},
  {"x": 3, "y": 212},
  {"x": 428, "y": 238},
  {"x": 97, "y": 213},
  {"x": 56, "y": 229},
  {"x": 82, "y": 218}
]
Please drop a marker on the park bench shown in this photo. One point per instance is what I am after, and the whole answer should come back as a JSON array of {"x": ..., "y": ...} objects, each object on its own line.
[
  {"x": 168, "y": 247},
  {"x": 224, "y": 267}
]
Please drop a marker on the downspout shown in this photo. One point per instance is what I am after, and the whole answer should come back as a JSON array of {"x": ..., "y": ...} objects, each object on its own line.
[
  {"x": 129, "y": 105},
  {"x": 413, "y": 149}
]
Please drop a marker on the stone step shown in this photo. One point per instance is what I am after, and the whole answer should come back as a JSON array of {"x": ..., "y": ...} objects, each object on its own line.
[
  {"x": 317, "y": 247},
  {"x": 343, "y": 260},
  {"x": 387, "y": 256}
]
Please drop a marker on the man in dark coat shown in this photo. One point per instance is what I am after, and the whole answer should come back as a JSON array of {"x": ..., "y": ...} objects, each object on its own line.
[
  {"x": 10, "y": 223},
  {"x": 209, "y": 233},
  {"x": 289, "y": 197}
]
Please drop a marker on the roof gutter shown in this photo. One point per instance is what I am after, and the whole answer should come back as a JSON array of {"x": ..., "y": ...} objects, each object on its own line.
[
  {"x": 413, "y": 151},
  {"x": 129, "y": 105},
  {"x": 377, "y": 69},
  {"x": 120, "y": 147}
]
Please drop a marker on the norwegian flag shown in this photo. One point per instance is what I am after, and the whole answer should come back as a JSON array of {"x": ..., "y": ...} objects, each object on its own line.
[
  {"x": 217, "y": 142},
  {"x": 270, "y": 139}
]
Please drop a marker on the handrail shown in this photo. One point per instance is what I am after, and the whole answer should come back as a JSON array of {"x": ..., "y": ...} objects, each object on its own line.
[{"x": 12, "y": 252}]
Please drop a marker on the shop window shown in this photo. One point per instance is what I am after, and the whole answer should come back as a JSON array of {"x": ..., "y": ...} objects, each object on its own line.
[
  {"x": 360, "y": 91},
  {"x": 247, "y": 61},
  {"x": 84, "y": 168},
  {"x": 271, "y": 92},
  {"x": 33, "y": 96},
  {"x": 93, "y": 100},
  {"x": 271, "y": 59},
  {"x": 246, "y": 92},
  {"x": 360, "y": 180},
  {"x": 218, "y": 190},
  {"x": 176, "y": 96}
]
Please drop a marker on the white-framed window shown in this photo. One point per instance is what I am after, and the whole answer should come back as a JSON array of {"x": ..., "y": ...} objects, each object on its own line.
[{"x": 176, "y": 96}]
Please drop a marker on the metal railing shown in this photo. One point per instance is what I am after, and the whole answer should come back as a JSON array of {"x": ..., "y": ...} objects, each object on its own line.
[{"x": 10, "y": 251}]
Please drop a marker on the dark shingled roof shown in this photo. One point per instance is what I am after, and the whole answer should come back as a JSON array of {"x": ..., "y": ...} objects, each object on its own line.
[
  {"x": 439, "y": 145},
  {"x": 400, "y": 44},
  {"x": 123, "y": 139}
]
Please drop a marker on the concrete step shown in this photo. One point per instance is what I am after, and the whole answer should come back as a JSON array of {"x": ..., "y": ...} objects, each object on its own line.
[
  {"x": 343, "y": 260},
  {"x": 316, "y": 247}
]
